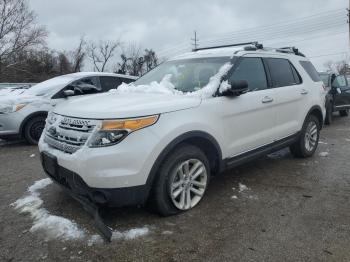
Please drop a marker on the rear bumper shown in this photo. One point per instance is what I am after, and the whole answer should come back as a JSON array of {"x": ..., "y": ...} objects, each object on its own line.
[{"x": 74, "y": 184}]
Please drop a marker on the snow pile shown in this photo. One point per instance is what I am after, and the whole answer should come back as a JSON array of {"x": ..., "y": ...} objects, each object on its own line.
[
  {"x": 323, "y": 154},
  {"x": 32, "y": 155},
  {"x": 166, "y": 87},
  {"x": 54, "y": 227}
]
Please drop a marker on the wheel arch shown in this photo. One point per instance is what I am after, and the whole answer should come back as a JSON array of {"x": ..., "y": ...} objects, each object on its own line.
[
  {"x": 25, "y": 121},
  {"x": 204, "y": 141},
  {"x": 316, "y": 111}
]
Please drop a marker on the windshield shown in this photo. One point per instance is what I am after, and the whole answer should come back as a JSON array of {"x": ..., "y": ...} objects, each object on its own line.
[
  {"x": 325, "y": 79},
  {"x": 187, "y": 75},
  {"x": 49, "y": 87}
]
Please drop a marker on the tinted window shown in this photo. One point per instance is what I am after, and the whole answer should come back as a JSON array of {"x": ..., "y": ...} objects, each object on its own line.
[
  {"x": 252, "y": 70},
  {"x": 340, "y": 81},
  {"x": 311, "y": 70},
  {"x": 109, "y": 82},
  {"x": 282, "y": 72}
]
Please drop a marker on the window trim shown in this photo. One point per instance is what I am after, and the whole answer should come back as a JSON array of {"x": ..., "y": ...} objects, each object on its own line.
[{"x": 274, "y": 85}]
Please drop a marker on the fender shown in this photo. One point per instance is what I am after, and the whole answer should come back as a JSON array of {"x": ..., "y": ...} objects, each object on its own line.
[
  {"x": 318, "y": 109},
  {"x": 176, "y": 142},
  {"x": 38, "y": 113}
]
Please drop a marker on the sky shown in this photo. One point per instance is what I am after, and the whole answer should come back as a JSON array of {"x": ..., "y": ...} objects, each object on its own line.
[{"x": 320, "y": 30}]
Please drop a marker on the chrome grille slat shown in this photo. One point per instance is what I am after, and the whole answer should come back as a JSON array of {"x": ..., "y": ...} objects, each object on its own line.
[{"x": 68, "y": 134}]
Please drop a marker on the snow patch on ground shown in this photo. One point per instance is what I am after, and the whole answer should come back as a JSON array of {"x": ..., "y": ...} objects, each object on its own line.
[
  {"x": 242, "y": 187},
  {"x": 324, "y": 154},
  {"x": 32, "y": 155},
  {"x": 57, "y": 227},
  {"x": 130, "y": 234},
  {"x": 347, "y": 139},
  {"x": 234, "y": 197},
  {"x": 322, "y": 143},
  {"x": 54, "y": 227}
]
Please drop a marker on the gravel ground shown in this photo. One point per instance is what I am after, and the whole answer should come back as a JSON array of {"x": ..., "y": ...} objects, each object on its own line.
[{"x": 293, "y": 210}]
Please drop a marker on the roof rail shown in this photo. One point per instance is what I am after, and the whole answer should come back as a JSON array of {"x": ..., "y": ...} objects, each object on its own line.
[
  {"x": 291, "y": 50},
  {"x": 255, "y": 43}
]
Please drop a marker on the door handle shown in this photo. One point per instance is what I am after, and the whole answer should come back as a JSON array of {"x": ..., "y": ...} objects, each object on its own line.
[
  {"x": 267, "y": 99},
  {"x": 304, "y": 92}
]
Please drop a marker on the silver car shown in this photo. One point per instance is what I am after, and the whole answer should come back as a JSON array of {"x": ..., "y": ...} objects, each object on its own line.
[{"x": 23, "y": 115}]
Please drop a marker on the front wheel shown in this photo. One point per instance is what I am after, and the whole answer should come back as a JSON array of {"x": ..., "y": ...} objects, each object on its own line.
[
  {"x": 181, "y": 182},
  {"x": 307, "y": 143},
  {"x": 344, "y": 113},
  {"x": 33, "y": 129}
]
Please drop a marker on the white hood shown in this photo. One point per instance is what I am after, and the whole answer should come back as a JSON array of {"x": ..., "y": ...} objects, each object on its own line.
[{"x": 117, "y": 105}]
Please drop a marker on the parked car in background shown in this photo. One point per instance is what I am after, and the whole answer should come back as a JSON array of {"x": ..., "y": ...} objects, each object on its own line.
[
  {"x": 23, "y": 114},
  {"x": 159, "y": 140},
  {"x": 338, "y": 95}
]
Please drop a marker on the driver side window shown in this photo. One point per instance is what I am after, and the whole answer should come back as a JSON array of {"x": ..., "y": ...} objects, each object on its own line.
[
  {"x": 252, "y": 70},
  {"x": 73, "y": 86}
]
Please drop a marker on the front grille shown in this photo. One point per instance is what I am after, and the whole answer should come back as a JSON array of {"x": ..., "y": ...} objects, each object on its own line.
[{"x": 68, "y": 134}]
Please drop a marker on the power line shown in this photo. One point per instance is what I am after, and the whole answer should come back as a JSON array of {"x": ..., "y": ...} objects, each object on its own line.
[{"x": 333, "y": 54}]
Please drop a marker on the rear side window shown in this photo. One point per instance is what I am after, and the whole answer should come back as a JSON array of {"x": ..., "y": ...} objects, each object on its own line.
[
  {"x": 109, "y": 82},
  {"x": 282, "y": 72},
  {"x": 340, "y": 81},
  {"x": 311, "y": 71},
  {"x": 252, "y": 70}
]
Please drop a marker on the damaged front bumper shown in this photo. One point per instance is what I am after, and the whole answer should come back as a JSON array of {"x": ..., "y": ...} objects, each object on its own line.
[{"x": 92, "y": 198}]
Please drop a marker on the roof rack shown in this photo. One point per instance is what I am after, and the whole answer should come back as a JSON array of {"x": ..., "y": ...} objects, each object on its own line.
[
  {"x": 290, "y": 50},
  {"x": 255, "y": 43}
]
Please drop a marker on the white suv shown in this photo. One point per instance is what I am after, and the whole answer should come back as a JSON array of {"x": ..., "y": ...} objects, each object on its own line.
[{"x": 158, "y": 140}]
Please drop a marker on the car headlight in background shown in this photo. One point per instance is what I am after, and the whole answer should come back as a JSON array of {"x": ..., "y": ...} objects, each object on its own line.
[
  {"x": 5, "y": 109},
  {"x": 114, "y": 131}
]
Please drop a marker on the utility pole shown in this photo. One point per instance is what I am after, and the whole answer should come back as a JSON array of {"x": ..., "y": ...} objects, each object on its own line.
[
  {"x": 348, "y": 9},
  {"x": 195, "y": 40}
]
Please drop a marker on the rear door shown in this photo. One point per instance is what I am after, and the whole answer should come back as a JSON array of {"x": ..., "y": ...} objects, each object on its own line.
[
  {"x": 341, "y": 90},
  {"x": 291, "y": 93}
]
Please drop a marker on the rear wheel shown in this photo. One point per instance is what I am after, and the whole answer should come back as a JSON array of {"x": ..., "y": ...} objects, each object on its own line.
[
  {"x": 181, "y": 181},
  {"x": 33, "y": 129},
  {"x": 307, "y": 143},
  {"x": 344, "y": 112}
]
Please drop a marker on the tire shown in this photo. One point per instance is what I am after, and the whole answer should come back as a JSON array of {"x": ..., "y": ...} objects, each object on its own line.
[
  {"x": 33, "y": 129},
  {"x": 307, "y": 143},
  {"x": 162, "y": 199},
  {"x": 344, "y": 113},
  {"x": 329, "y": 115}
]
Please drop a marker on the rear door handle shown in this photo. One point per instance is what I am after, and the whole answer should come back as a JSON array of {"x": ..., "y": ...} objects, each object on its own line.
[
  {"x": 267, "y": 99},
  {"x": 304, "y": 92}
]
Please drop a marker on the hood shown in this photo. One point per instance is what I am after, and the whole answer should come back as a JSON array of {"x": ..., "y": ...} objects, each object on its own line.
[
  {"x": 118, "y": 105},
  {"x": 16, "y": 98}
]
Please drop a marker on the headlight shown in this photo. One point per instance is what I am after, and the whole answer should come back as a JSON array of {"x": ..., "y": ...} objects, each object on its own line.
[
  {"x": 5, "y": 109},
  {"x": 114, "y": 131}
]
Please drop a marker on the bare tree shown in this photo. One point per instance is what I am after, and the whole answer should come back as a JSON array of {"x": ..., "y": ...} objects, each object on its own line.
[
  {"x": 18, "y": 29},
  {"x": 78, "y": 56},
  {"x": 101, "y": 53}
]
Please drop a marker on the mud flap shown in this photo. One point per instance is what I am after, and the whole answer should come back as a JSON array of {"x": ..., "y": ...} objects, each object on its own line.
[{"x": 92, "y": 209}]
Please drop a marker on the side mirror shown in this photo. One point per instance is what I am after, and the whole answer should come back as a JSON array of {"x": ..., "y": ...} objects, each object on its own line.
[
  {"x": 236, "y": 88},
  {"x": 68, "y": 93},
  {"x": 338, "y": 90}
]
